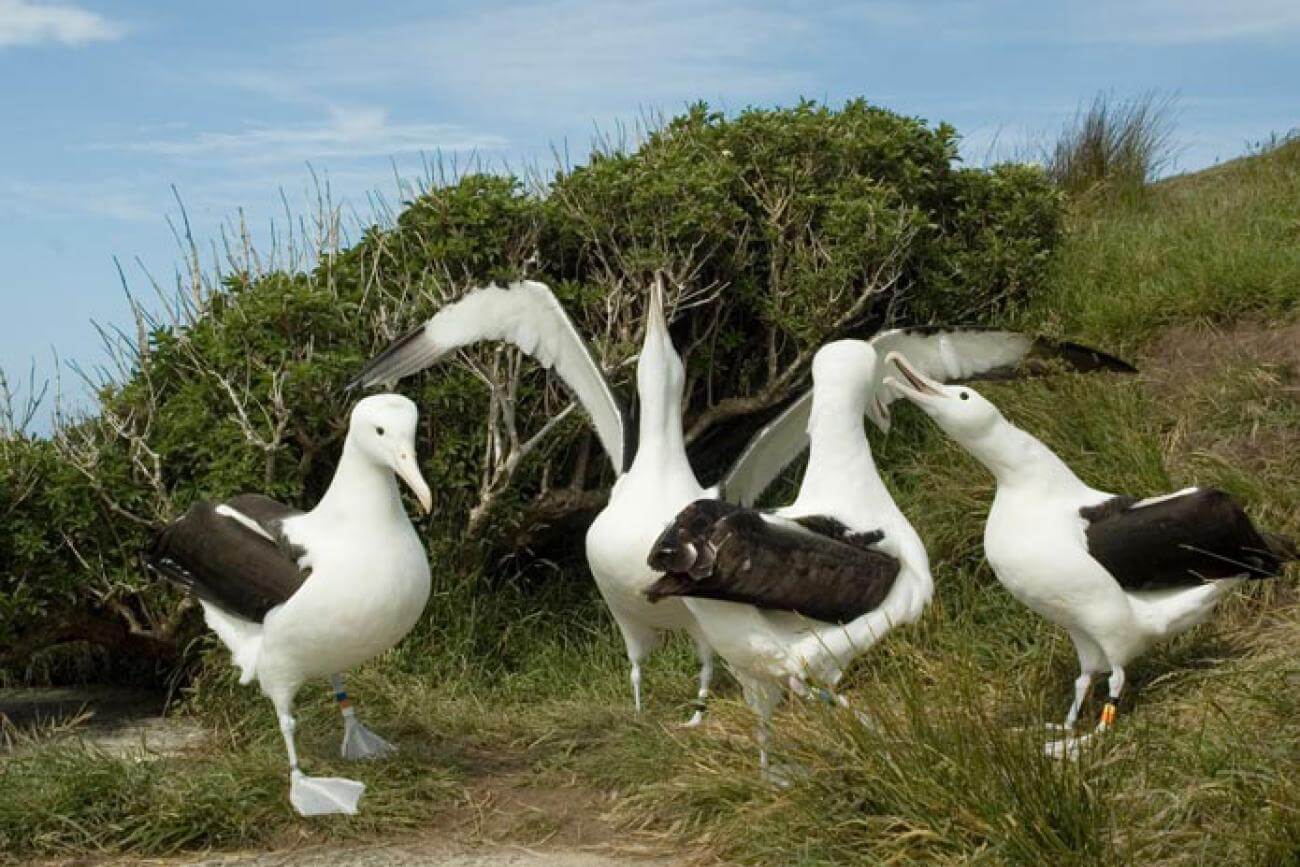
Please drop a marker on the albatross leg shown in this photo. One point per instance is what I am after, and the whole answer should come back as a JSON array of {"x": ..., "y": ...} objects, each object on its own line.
[
  {"x": 359, "y": 742},
  {"x": 315, "y": 796},
  {"x": 1092, "y": 659},
  {"x": 639, "y": 640},
  {"x": 1082, "y": 686},
  {"x": 1110, "y": 710},
  {"x": 1069, "y": 747},
  {"x": 701, "y": 705},
  {"x": 636, "y": 685}
]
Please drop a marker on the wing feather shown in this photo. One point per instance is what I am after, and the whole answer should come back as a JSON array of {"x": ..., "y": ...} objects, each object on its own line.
[
  {"x": 237, "y": 559},
  {"x": 942, "y": 353},
  {"x": 967, "y": 354},
  {"x": 526, "y": 315},
  {"x": 768, "y": 453}
]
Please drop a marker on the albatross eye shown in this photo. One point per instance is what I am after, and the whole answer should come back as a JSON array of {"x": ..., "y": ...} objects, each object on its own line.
[
  {"x": 379, "y": 430},
  {"x": 965, "y": 395}
]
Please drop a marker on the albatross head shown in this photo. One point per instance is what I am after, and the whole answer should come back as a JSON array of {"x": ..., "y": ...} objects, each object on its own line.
[
  {"x": 848, "y": 368},
  {"x": 960, "y": 410},
  {"x": 383, "y": 429}
]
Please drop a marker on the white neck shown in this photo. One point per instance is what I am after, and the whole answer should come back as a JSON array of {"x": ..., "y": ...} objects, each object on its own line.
[
  {"x": 661, "y": 445},
  {"x": 361, "y": 489},
  {"x": 841, "y": 474},
  {"x": 1018, "y": 459}
]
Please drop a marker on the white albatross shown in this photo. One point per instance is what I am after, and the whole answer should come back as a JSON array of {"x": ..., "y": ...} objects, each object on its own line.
[
  {"x": 652, "y": 485},
  {"x": 797, "y": 594},
  {"x": 296, "y": 595},
  {"x": 1118, "y": 573}
]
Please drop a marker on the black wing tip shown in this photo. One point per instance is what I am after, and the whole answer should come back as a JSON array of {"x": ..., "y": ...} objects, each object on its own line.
[
  {"x": 379, "y": 368},
  {"x": 1086, "y": 359},
  {"x": 169, "y": 570}
]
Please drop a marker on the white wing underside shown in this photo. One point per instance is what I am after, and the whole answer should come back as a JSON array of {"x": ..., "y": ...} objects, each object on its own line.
[
  {"x": 945, "y": 356},
  {"x": 528, "y": 316}
]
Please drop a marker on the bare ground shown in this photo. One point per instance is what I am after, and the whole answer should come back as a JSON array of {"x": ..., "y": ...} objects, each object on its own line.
[{"x": 505, "y": 820}]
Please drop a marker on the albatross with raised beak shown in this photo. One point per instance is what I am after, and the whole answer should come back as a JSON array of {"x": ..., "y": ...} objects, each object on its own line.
[
  {"x": 796, "y": 594},
  {"x": 1118, "y": 573}
]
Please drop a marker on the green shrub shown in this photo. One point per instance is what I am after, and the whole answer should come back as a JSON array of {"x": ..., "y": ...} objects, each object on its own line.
[{"x": 779, "y": 229}]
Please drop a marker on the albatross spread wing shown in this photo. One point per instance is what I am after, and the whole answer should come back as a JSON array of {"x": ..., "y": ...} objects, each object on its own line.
[{"x": 528, "y": 316}]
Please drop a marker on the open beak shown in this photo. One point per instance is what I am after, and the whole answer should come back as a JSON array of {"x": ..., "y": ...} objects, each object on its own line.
[
  {"x": 409, "y": 471},
  {"x": 915, "y": 385}
]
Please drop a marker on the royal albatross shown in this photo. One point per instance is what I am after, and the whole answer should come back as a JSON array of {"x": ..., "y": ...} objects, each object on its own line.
[
  {"x": 654, "y": 477},
  {"x": 1118, "y": 573},
  {"x": 296, "y": 595},
  {"x": 794, "y": 595}
]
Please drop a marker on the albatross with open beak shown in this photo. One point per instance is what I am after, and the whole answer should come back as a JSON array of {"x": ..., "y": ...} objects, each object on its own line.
[{"x": 1118, "y": 573}]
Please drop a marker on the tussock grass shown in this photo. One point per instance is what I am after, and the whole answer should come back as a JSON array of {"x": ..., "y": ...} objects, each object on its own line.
[
  {"x": 1113, "y": 148},
  {"x": 1198, "y": 284}
]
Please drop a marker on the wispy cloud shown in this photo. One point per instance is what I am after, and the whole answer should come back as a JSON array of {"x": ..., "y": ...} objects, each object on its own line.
[
  {"x": 47, "y": 199},
  {"x": 348, "y": 133},
  {"x": 1186, "y": 22},
  {"x": 566, "y": 59},
  {"x": 23, "y": 22}
]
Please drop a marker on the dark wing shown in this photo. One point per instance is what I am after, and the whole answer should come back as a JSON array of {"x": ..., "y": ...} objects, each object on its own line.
[
  {"x": 233, "y": 555},
  {"x": 722, "y": 551},
  {"x": 1180, "y": 541}
]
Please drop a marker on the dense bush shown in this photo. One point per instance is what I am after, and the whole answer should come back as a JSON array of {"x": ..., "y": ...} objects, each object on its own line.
[{"x": 778, "y": 230}]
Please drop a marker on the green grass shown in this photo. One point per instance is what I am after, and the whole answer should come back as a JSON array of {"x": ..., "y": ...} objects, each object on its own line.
[
  {"x": 1204, "y": 767},
  {"x": 1211, "y": 247}
]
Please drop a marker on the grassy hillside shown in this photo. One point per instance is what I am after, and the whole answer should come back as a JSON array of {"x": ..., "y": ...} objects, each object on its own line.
[{"x": 1200, "y": 284}]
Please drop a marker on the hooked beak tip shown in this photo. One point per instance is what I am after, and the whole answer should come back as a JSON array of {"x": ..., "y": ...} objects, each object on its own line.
[{"x": 408, "y": 471}]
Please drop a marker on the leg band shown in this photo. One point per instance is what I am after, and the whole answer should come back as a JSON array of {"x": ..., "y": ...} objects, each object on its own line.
[{"x": 1109, "y": 712}]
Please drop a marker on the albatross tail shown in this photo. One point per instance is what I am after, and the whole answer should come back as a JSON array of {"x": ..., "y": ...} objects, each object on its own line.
[{"x": 242, "y": 637}]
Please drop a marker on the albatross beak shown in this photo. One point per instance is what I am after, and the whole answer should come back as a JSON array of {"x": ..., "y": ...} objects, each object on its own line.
[
  {"x": 656, "y": 325},
  {"x": 409, "y": 471},
  {"x": 918, "y": 386}
]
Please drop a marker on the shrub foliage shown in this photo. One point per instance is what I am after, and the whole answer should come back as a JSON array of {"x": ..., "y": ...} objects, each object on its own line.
[{"x": 777, "y": 229}]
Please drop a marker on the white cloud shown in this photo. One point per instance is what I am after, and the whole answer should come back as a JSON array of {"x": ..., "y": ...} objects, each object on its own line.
[
  {"x": 116, "y": 200},
  {"x": 23, "y": 22},
  {"x": 1184, "y": 22},
  {"x": 563, "y": 60},
  {"x": 349, "y": 133}
]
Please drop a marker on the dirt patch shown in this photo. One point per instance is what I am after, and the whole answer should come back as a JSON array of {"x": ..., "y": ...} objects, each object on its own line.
[
  {"x": 1185, "y": 354},
  {"x": 409, "y": 853},
  {"x": 1247, "y": 377}
]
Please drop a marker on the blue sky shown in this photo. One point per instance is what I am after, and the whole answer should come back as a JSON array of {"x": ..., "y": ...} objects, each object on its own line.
[{"x": 108, "y": 105}]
